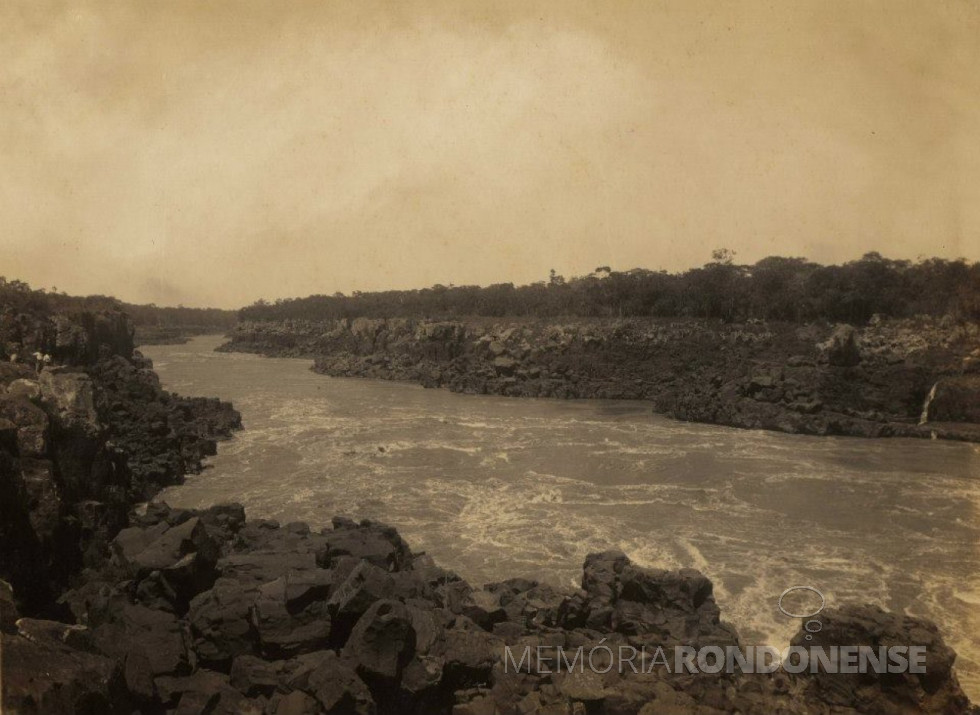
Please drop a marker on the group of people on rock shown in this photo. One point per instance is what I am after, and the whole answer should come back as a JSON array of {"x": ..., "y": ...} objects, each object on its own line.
[{"x": 41, "y": 360}]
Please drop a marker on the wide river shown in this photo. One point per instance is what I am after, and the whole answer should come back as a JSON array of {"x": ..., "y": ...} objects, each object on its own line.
[{"x": 496, "y": 487}]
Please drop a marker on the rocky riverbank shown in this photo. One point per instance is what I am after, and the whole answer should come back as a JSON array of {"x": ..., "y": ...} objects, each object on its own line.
[
  {"x": 163, "y": 610},
  {"x": 207, "y": 612},
  {"x": 84, "y": 435},
  {"x": 910, "y": 378}
]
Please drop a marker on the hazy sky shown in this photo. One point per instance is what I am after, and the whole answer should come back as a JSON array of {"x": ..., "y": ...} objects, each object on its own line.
[{"x": 212, "y": 153}]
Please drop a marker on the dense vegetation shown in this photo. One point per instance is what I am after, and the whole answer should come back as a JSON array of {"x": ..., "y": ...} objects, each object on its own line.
[
  {"x": 775, "y": 288},
  {"x": 18, "y": 297}
]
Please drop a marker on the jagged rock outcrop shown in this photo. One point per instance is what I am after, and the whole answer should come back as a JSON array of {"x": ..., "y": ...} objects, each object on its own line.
[
  {"x": 955, "y": 399},
  {"x": 931, "y": 691},
  {"x": 656, "y": 607},
  {"x": 813, "y": 379},
  {"x": 842, "y": 348},
  {"x": 81, "y": 439},
  {"x": 349, "y": 620}
]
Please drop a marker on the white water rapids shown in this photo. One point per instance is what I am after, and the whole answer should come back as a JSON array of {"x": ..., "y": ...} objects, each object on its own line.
[{"x": 498, "y": 487}]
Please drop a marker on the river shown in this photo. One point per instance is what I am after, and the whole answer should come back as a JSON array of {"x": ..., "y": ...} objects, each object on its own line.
[{"x": 496, "y": 487}]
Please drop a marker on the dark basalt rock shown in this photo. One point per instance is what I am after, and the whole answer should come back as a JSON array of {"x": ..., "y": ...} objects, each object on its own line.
[
  {"x": 278, "y": 633},
  {"x": 221, "y": 623},
  {"x": 156, "y": 635},
  {"x": 253, "y": 676},
  {"x": 662, "y": 607},
  {"x": 82, "y": 441},
  {"x": 338, "y": 689},
  {"x": 283, "y": 632},
  {"x": 813, "y": 379},
  {"x": 47, "y": 675},
  {"x": 956, "y": 399},
  {"x": 376, "y": 543},
  {"x": 935, "y": 690},
  {"x": 382, "y": 643},
  {"x": 842, "y": 349}
]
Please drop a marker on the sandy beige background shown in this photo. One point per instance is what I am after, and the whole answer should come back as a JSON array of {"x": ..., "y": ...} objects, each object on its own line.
[{"x": 214, "y": 153}]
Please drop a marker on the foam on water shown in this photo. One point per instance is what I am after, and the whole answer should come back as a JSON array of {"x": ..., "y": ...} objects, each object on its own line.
[{"x": 496, "y": 487}]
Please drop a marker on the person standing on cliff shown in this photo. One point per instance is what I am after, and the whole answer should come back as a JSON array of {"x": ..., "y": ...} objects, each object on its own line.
[{"x": 41, "y": 361}]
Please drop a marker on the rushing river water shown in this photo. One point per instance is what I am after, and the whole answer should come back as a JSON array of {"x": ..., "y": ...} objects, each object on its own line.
[{"x": 498, "y": 487}]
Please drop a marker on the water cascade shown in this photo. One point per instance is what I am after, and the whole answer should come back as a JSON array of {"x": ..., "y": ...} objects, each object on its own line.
[{"x": 925, "y": 405}]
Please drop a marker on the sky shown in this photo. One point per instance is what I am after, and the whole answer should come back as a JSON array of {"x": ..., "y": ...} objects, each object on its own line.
[{"x": 214, "y": 153}]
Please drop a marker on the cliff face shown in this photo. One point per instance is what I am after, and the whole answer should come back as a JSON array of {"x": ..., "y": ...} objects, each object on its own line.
[
  {"x": 81, "y": 440},
  {"x": 814, "y": 379}
]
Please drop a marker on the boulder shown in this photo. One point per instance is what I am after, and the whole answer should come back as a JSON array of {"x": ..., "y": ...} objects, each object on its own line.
[
  {"x": 421, "y": 680},
  {"x": 45, "y": 632},
  {"x": 138, "y": 676},
  {"x": 376, "y": 543},
  {"x": 157, "y": 635},
  {"x": 205, "y": 693},
  {"x": 295, "y": 703},
  {"x": 185, "y": 554},
  {"x": 156, "y": 592},
  {"x": 189, "y": 537},
  {"x": 29, "y": 389},
  {"x": 469, "y": 654},
  {"x": 70, "y": 397},
  {"x": 936, "y": 690},
  {"x": 45, "y": 676},
  {"x": 283, "y": 633},
  {"x": 666, "y": 607},
  {"x": 11, "y": 371},
  {"x": 253, "y": 676},
  {"x": 221, "y": 623},
  {"x": 504, "y": 365},
  {"x": 257, "y": 568},
  {"x": 43, "y": 497},
  {"x": 338, "y": 689},
  {"x": 223, "y": 521},
  {"x": 305, "y": 587},
  {"x": 527, "y": 602},
  {"x": 842, "y": 348},
  {"x": 382, "y": 642},
  {"x": 428, "y": 623},
  {"x": 32, "y": 425},
  {"x": 365, "y": 584},
  {"x": 481, "y": 606}
]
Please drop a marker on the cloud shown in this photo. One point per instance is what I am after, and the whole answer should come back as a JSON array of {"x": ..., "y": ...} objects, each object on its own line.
[{"x": 223, "y": 152}]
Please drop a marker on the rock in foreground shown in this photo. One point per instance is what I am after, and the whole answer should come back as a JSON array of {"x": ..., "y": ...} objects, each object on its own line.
[{"x": 206, "y": 612}]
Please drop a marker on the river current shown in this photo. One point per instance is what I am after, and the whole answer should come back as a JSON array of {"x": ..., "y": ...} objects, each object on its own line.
[{"x": 496, "y": 487}]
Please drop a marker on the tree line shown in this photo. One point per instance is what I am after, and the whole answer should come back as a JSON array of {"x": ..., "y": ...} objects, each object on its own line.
[
  {"x": 19, "y": 297},
  {"x": 775, "y": 288}
]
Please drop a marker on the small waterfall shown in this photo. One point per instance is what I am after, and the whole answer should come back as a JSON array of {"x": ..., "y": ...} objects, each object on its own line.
[{"x": 925, "y": 405}]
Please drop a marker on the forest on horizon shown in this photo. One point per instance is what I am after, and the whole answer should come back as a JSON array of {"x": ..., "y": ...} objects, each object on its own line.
[
  {"x": 774, "y": 288},
  {"x": 19, "y": 297}
]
